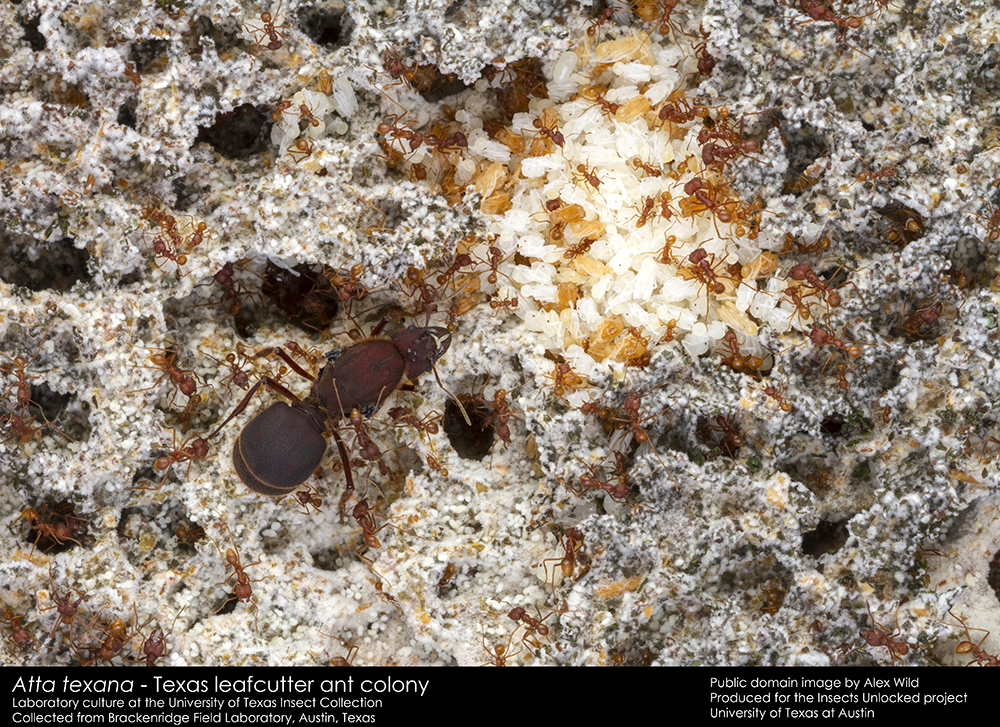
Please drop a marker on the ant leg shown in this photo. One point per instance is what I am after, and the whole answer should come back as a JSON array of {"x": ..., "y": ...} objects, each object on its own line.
[
  {"x": 241, "y": 407},
  {"x": 280, "y": 352},
  {"x": 349, "y": 487}
]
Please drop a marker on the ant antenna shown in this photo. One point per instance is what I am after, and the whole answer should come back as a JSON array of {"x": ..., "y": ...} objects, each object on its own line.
[
  {"x": 461, "y": 408},
  {"x": 465, "y": 414}
]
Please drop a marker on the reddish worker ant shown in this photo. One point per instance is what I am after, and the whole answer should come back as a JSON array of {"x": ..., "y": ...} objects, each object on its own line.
[
  {"x": 922, "y": 319},
  {"x": 364, "y": 517},
  {"x": 737, "y": 361},
  {"x": 546, "y": 127},
  {"x": 649, "y": 169},
  {"x": 880, "y": 636},
  {"x": 532, "y": 625},
  {"x": 15, "y": 631},
  {"x": 191, "y": 449},
  {"x": 183, "y": 380},
  {"x": 242, "y": 590},
  {"x": 822, "y": 337},
  {"x": 269, "y": 30},
  {"x": 391, "y": 128},
  {"x": 563, "y": 378},
  {"x": 968, "y": 647},
  {"x": 594, "y": 28},
  {"x": 647, "y": 207},
  {"x": 301, "y": 149},
  {"x": 500, "y": 652},
  {"x": 700, "y": 267},
  {"x": 778, "y": 396},
  {"x": 884, "y": 175},
  {"x": 56, "y": 529},
  {"x": 596, "y": 94},
  {"x": 156, "y": 643},
  {"x": 66, "y": 608},
  {"x": 594, "y": 481},
  {"x": 572, "y": 543},
  {"x": 581, "y": 248},
  {"x": 723, "y": 434},
  {"x": 592, "y": 179},
  {"x": 679, "y": 110}
]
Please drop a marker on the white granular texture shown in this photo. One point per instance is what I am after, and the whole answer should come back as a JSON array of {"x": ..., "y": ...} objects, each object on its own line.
[{"x": 606, "y": 271}]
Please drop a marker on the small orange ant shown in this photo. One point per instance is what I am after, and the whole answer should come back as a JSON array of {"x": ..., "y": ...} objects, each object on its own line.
[
  {"x": 976, "y": 650},
  {"x": 880, "y": 636},
  {"x": 666, "y": 253},
  {"x": 532, "y": 625},
  {"x": 778, "y": 395},
  {"x": 822, "y": 337},
  {"x": 302, "y": 149},
  {"x": 66, "y": 608},
  {"x": 564, "y": 377},
  {"x": 572, "y": 543},
  {"x": 594, "y": 481},
  {"x": 647, "y": 208},
  {"x": 506, "y": 304},
  {"x": 435, "y": 465},
  {"x": 591, "y": 176},
  {"x": 581, "y": 248},
  {"x": 191, "y": 449},
  {"x": 500, "y": 652},
  {"x": 365, "y": 517},
  {"x": 16, "y": 634},
  {"x": 269, "y": 30},
  {"x": 305, "y": 499},
  {"x": 242, "y": 589},
  {"x": 554, "y": 135},
  {"x": 649, "y": 169},
  {"x": 594, "y": 29},
  {"x": 883, "y": 175}
]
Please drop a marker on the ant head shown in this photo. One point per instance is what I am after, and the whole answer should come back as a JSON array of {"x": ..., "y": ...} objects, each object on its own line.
[{"x": 422, "y": 347}]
